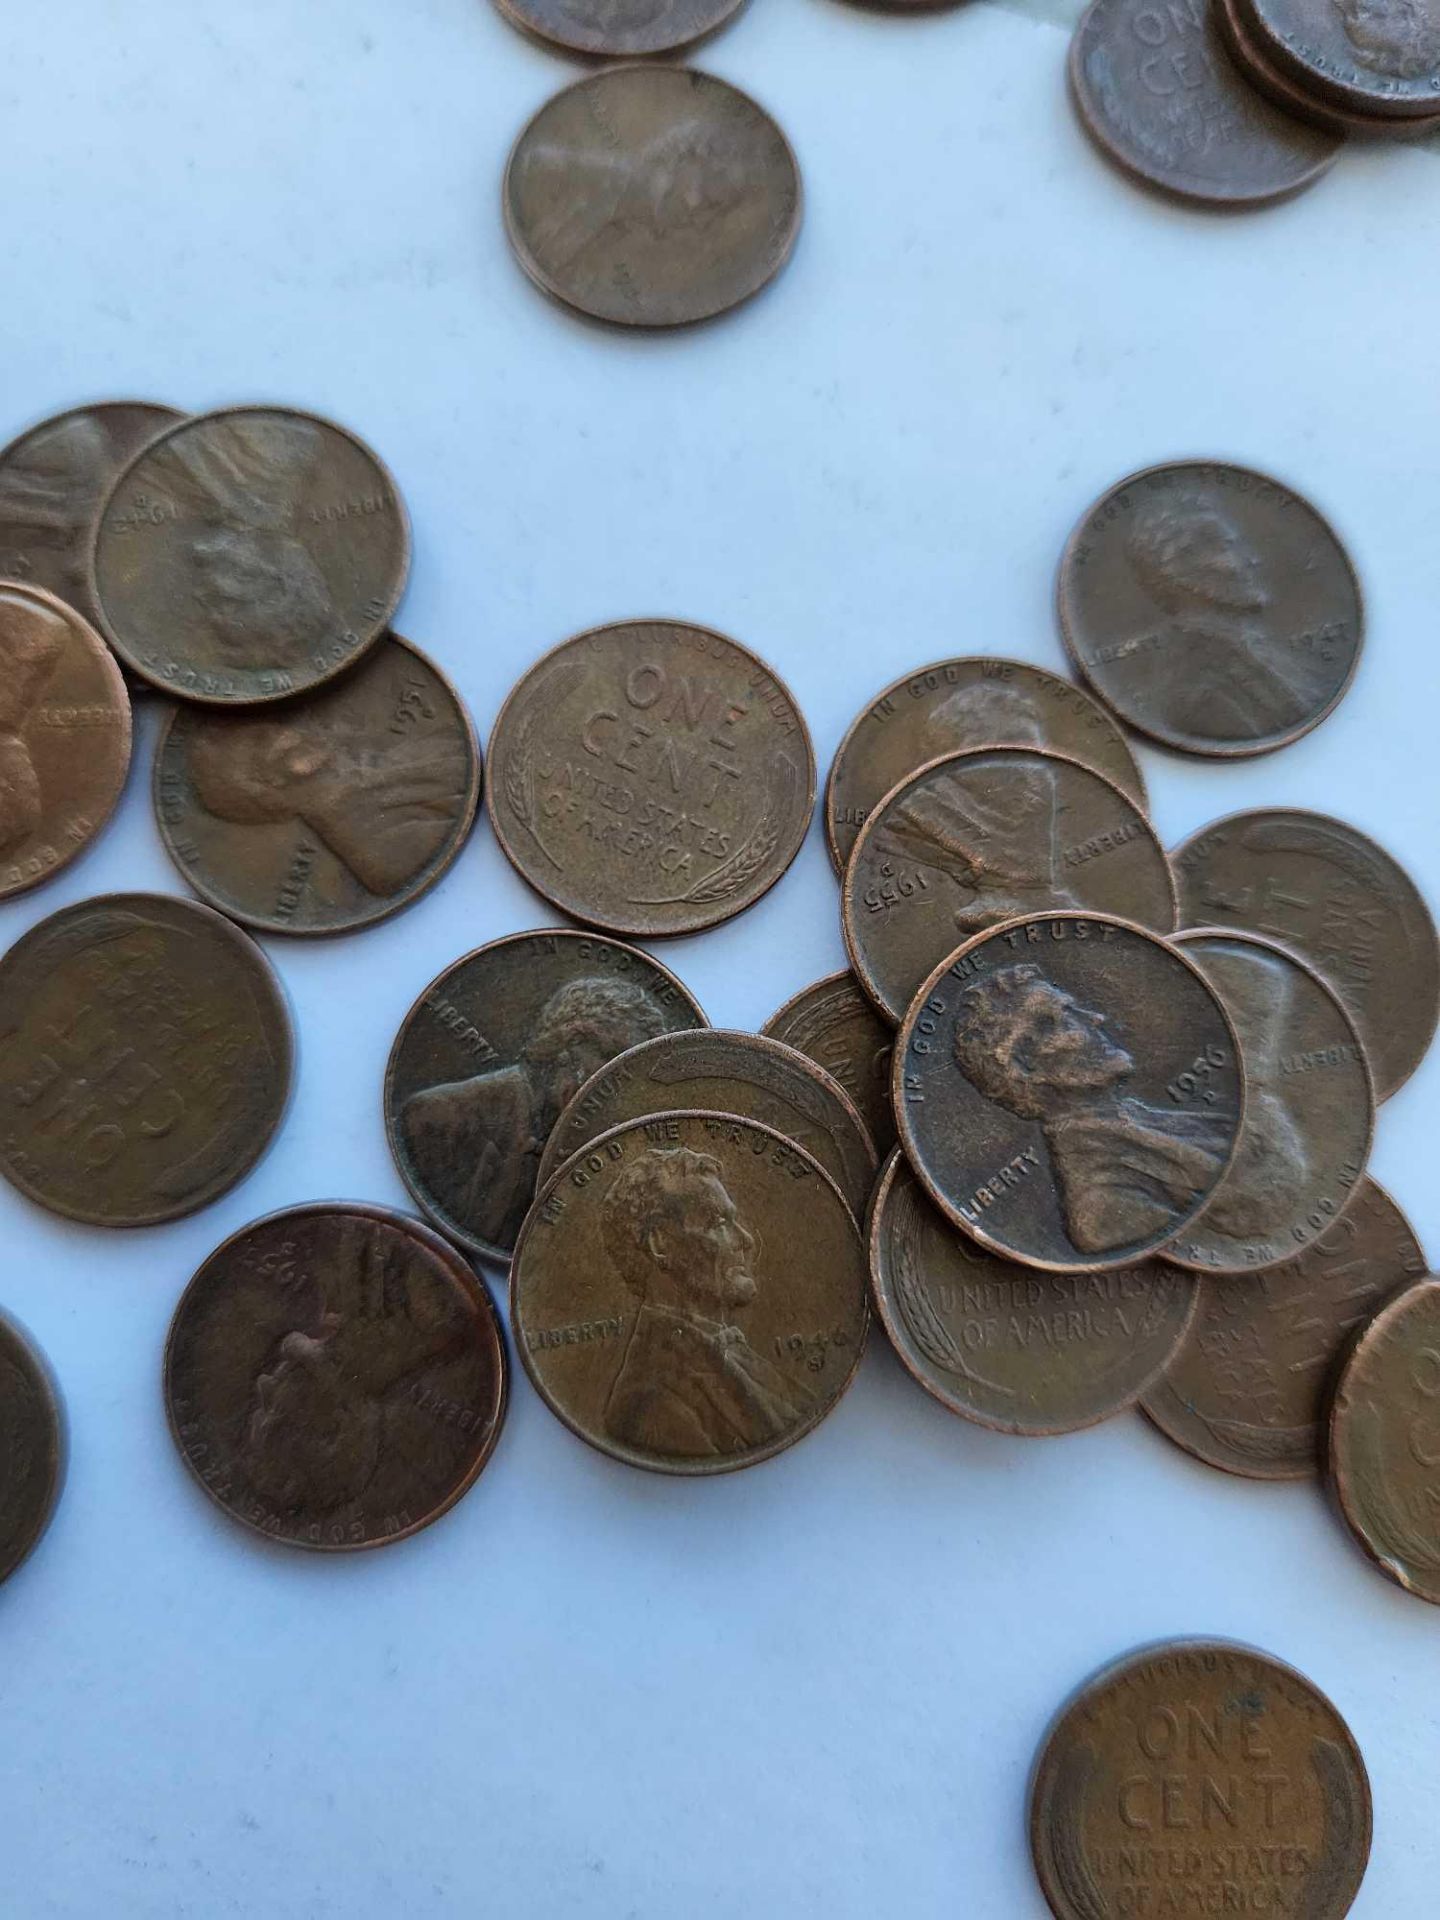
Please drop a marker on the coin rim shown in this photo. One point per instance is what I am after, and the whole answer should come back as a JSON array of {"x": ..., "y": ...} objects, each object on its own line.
[
  {"x": 43, "y": 1379},
  {"x": 1290, "y": 95},
  {"x": 1331, "y": 89},
  {"x": 513, "y": 14}
]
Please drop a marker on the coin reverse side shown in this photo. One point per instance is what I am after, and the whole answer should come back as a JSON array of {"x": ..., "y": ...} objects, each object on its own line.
[
  {"x": 836, "y": 1025},
  {"x": 32, "y": 1446}
]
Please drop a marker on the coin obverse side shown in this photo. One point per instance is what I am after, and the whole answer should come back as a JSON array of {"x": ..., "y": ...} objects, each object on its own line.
[
  {"x": 689, "y": 1294},
  {"x": 145, "y": 1059},
  {"x": 978, "y": 837},
  {"x": 619, "y": 29},
  {"x": 335, "y": 1376},
  {"x": 1211, "y": 608},
  {"x": 1340, "y": 902},
  {"x": 955, "y": 706},
  {"x": 652, "y": 196},
  {"x": 834, "y": 1023},
  {"x": 1199, "y": 1776},
  {"x": 1024, "y": 1352},
  {"x": 1069, "y": 1090},
  {"x": 327, "y": 814},
  {"x": 248, "y": 555},
  {"x": 1260, "y": 66},
  {"x": 491, "y": 1053},
  {"x": 651, "y": 777},
  {"x": 1382, "y": 60},
  {"x": 64, "y": 736},
  {"x": 1248, "y": 1391},
  {"x": 32, "y": 1446}
]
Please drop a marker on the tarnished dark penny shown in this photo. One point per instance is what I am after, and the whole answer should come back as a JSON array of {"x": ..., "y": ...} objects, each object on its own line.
[
  {"x": 835, "y": 1023},
  {"x": 335, "y": 1376},
  {"x": 1262, "y": 70},
  {"x": 719, "y": 1071},
  {"x": 145, "y": 1059},
  {"x": 1377, "y": 57},
  {"x": 489, "y": 1055},
  {"x": 1249, "y": 1389},
  {"x": 652, "y": 196},
  {"x": 328, "y": 813},
  {"x": 688, "y": 1293},
  {"x": 1025, "y": 1352},
  {"x": 619, "y": 29},
  {"x": 651, "y": 777},
  {"x": 247, "y": 555},
  {"x": 1159, "y": 96},
  {"x": 1323, "y": 889},
  {"x": 64, "y": 735},
  {"x": 1211, "y": 607},
  {"x": 1069, "y": 1090},
  {"x": 32, "y": 1446},
  {"x": 956, "y": 706},
  {"x": 1199, "y": 1776},
  {"x": 977, "y": 838}
]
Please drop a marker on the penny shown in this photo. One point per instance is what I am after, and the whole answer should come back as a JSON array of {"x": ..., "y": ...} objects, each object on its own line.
[
  {"x": 1211, "y": 607},
  {"x": 1262, "y": 71},
  {"x": 248, "y": 555},
  {"x": 64, "y": 735},
  {"x": 724, "y": 1072},
  {"x": 491, "y": 1053},
  {"x": 959, "y": 705},
  {"x": 328, "y": 813},
  {"x": 834, "y": 1023},
  {"x": 651, "y": 777},
  {"x": 1321, "y": 888},
  {"x": 1199, "y": 1776},
  {"x": 1024, "y": 1352},
  {"x": 619, "y": 29},
  {"x": 145, "y": 1059},
  {"x": 1069, "y": 1090},
  {"x": 652, "y": 196},
  {"x": 1248, "y": 1391},
  {"x": 32, "y": 1446},
  {"x": 688, "y": 1293},
  {"x": 977, "y": 838},
  {"x": 335, "y": 1376},
  {"x": 1377, "y": 57}
]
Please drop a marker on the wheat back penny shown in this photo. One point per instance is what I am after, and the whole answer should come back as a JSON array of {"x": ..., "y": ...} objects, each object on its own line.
[
  {"x": 1328, "y": 892},
  {"x": 32, "y": 1445},
  {"x": 652, "y": 196},
  {"x": 619, "y": 29},
  {"x": 1069, "y": 1090},
  {"x": 64, "y": 735},
  {"x": 335, "y": 1376},
  {"x": 328, "y": 813},
  {"x": 248, "y": 555},
  {"x": 978, "y": 837},
  {"x": 491, "y": 1053},
  {"x": 651, "y": 777},
  {"x": 1199, "y": 1776},
  {"x": 836, "y": 1025},
  {"x": 1380, "y": 58},
  {"x": 688, "y": 1293},
  {"x": 145, "y": 1059},
  {"x": 1249, "y": 1389}
]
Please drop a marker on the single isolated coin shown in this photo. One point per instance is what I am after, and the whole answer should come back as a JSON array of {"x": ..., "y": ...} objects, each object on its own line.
[
  {"x": 1374, "y": 57},
  {"x": 1324, "y": 890},
  {"x": 335, "y": 1376},
  {"x": 1025, "y": 1352},
  {"x": 32, "y": 1446},
  {"x": 145, "y": 1059},
  {"x": 1249, "y": 1389},
  {"x": 688, "y": 1293},
  {"x": 491, "y": 1053},
  {"x": 651, "y": 777},
  {"x": 619, "y": 29},
  {"x": 977, "y": 838},
  {"x": 652, "y": 196},
  {"x": 835, "y": 1024},
  {"x": 64, "y": 735},
  {"x": 328, "y": 813},
  {"x": 1069, "y": 1090},
  {"x": 248, "y": 555},
  {"x": 1198, "y": 1776}
]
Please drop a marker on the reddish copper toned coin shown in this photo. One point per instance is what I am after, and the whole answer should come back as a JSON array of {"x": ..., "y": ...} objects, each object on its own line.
[
  {"x": 1377, "y": 57},
  {"x": 835, "y": 1024},
  {"x": 619, "y": 29},
  {"x": 32, "y": 1446},
  {"x": 1262, "y": 70},
  {"x": 335, "y": 1376}
]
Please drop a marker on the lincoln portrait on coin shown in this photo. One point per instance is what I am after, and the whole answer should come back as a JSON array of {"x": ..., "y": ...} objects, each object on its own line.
[
  {"x": 1399, "y": 38},
  {"x": 31, "y": 640}
]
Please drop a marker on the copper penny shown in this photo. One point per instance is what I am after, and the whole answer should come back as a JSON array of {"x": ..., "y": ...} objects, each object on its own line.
[
  {"x": 1069, "y": 1090},
  {"x": 490, "y": 1054},
  {"x": 1376, "y": 57},
  {"x": 32, "y": 1446},
  {"x": 1321, "y": 888},
  {"x": 1242, "y": 42},
  {"x": 335, "y": 1376},
  {"x": 652, "y": 196},
  {"x": 145, "y": 1059},
  {"x": 619, "y": 29},
  {"x": 248, "y": 555},
  {"x": 836, "y": 1025},
  {"x": 330, "y": 812},
  {"x": 977, "y": 838},
  {"x": 1249, "y": 1389},
  {"x": 1199, "y": 1776},
  {"x": 689, "y": 1293},
  {"x": 64, "y": 735},
  {"x": 651, "y": 777}
]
